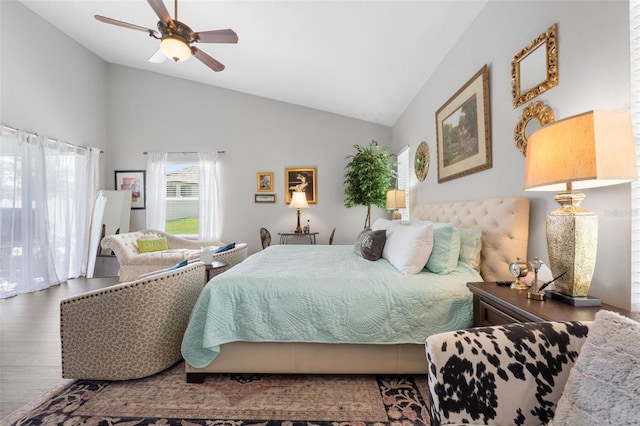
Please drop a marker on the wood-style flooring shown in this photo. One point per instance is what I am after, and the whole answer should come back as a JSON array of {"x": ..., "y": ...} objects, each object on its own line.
[{"x": 30, "y": 341}]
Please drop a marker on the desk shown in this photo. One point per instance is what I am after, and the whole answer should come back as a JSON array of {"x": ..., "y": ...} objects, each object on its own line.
[{"x": 285, "y": 236}]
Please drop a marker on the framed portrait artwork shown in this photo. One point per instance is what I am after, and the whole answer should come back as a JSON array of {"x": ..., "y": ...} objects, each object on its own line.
[
  {"x": 300, "y": 179},
  {"x": 133, "y": 180},
  {"x": 463, "y": 127},
  {"x": 264, "y": 181}
]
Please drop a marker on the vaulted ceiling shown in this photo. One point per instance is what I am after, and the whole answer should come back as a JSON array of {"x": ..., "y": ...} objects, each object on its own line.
[{"x": 363, "y": 59}]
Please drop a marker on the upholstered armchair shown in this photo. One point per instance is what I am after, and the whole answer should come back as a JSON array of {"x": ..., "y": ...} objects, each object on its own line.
[
  {"x": 133, "y": 263},
  {"x": 129, "y": 330},
  {"x": 560, "y": 373}
]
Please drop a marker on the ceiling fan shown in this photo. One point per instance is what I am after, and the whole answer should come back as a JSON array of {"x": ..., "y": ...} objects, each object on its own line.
[{"x": 176, "y": 37}]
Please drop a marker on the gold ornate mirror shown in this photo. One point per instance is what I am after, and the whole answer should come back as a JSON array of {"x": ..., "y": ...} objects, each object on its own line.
[
  {"x": 421, "y": 161},
  {"x": 534, "y": 70},
  {"x": 543, "y": 115}
]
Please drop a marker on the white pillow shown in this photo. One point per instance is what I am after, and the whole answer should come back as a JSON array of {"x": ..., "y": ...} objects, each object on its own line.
[
  {"x": 408, "y": 247},
  {"x": 381, "y": 223},
  {"x": 470, "y": 246}
]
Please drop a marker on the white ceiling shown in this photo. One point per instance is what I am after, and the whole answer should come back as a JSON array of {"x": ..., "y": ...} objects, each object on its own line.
[{"x": 363, "y": 59}]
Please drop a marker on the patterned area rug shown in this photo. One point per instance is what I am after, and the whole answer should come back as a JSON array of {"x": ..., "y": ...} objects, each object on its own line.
[{"x": 234, "y": 400}]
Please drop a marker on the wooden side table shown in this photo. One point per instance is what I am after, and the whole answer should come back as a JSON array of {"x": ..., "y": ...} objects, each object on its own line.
[
  {"x": 496, "y": 305},
  {"x": 286, "y": 236},
  {"x": 213, "y": 269}
]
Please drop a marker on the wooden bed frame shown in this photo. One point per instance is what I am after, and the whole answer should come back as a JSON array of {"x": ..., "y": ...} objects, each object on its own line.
[{"x": 505, "y": 232}]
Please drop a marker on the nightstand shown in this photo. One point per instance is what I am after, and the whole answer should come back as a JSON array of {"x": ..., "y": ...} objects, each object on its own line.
[{"x": 496, "y": 305}]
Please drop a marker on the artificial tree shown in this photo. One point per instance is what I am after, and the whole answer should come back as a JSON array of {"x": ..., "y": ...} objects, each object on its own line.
[{"x": 368, "y": 178}]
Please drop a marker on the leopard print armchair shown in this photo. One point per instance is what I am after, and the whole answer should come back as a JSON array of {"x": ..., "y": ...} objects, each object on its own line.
[
  {"x": 129, "y": 330},
  {"x": 502, "y": 375}
]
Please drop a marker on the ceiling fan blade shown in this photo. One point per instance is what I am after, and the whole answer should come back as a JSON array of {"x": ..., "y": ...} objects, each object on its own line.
[
  {"x": 207, "y": 60},
  {"x": 123, "y": 24},
  {"x": 160, "y": 10},
  {"x": 158, "y": 57},
  {"x": 215, "y": 36}
]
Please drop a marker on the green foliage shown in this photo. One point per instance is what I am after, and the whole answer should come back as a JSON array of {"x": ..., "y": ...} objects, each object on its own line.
[
  {"x": 368, "y": 178},
  {"x": 186, "y": 226}
]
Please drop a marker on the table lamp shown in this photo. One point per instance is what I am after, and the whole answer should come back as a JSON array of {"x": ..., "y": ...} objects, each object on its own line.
[
  {"x": 395, "y": 201},
  {"x": 588, "y": 150},
  {"x": 298, "y": 201}
]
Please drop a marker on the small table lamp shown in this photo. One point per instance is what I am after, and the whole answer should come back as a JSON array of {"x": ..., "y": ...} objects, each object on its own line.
[
  {"x": 298, "y": 201},
  {"x": 588, "y": 150},
  {"x": 395, "y": 201}
]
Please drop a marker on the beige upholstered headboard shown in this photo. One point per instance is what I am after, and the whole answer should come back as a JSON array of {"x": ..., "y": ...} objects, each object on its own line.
[{"x": 504, "y": 223}]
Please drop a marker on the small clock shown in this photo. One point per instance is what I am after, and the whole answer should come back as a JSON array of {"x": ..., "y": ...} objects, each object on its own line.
[{"x": 519, "y": 269}]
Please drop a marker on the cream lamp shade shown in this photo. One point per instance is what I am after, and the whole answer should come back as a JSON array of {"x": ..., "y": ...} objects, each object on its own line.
[
  {"x": 588, "y": 150},
  {"x": 395, "y": 201},
  {"x": 298, "y": 201},
  {"x": 176, "y": 48}
]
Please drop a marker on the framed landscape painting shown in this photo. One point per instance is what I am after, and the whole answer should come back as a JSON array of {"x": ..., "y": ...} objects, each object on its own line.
[
  {"x": 463, "y": 127},
  {"x": 300, "y": 179},
  {"x": 132, "y": 180}
]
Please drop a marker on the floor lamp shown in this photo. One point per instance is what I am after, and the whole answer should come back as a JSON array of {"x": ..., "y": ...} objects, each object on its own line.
[{"x": 588, "y": 150}]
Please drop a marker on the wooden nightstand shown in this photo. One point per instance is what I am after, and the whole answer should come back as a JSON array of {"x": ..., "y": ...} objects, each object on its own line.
[{"x": 495, "y": 305}]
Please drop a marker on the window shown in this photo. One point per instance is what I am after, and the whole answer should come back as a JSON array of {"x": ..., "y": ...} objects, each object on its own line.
[
  {"x": 403, "y": 180},
  {"x": 182, "y": 180}
]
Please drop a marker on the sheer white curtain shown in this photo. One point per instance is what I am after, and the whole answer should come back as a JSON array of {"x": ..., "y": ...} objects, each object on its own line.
[
  {"x": 156, "y": 213},
  {"x": 634, "y": 15},
  {"x": 46, "y": 194},
  {"x": 209, "y": 206}
]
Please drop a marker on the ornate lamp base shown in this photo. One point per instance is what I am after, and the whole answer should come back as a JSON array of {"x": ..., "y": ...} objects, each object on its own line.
[{"x": 572, "y": 243}]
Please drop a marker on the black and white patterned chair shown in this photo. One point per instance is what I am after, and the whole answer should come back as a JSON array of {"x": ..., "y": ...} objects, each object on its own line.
[{"x": 502, "y": 375}]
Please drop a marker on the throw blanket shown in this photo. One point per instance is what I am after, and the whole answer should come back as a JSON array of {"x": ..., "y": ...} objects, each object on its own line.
[{"x": 324, "y": 294}]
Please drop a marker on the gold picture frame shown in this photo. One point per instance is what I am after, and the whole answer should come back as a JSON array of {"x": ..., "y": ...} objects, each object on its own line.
[
  {"x": 538, "y": 111},
  {"x": 264, "y": 181},
  {"x": 534, "y": 69},
  {"x": 300, "y": 179},
  {"x": 463, "y": 127}
]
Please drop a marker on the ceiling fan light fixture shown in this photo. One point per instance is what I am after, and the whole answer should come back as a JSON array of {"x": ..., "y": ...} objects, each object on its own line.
[{"x": 175, "y": 47}]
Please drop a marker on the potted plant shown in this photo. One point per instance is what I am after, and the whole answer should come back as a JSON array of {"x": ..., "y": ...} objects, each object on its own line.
[{"x": 368, "y": 178}]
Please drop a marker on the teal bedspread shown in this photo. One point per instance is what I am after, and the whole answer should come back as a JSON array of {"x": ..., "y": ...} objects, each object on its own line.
[{"x": 324, "y": 294}]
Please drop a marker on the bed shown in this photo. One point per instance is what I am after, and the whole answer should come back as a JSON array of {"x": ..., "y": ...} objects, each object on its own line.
[{"x": 260, "y": 317}]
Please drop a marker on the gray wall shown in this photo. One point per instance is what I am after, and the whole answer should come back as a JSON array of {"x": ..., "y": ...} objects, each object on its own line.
[
  {"x": 49, "y": 83},
  {"x": 593, "y": 39}
]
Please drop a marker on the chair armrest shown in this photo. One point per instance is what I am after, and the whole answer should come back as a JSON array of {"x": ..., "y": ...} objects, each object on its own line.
[{"x": 512, "y": 374}]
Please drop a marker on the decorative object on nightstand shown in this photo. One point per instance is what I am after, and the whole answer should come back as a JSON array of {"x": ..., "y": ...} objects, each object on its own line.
[
  {"x": 534, "y": 291},
  {"x": 395, "y": 201},
  {"x": 298, "y": 201},
  {"x": 519, "y": 269},
  {"x": 588, "y": 150}
]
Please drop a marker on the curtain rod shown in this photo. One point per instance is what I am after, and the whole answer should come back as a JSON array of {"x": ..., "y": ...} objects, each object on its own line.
[
  {"x": 184, "y": 152},
  {"x": 50, "y": 138}
]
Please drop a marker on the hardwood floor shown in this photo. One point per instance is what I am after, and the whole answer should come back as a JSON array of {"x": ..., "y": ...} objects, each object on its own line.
[{"x": 30, "y": 341}]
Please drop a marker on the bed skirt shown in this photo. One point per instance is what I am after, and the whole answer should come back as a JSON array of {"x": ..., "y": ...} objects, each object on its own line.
[{"x": 313, "y": 358}]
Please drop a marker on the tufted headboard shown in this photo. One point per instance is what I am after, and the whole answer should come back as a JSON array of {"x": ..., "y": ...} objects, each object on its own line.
[{"x": 504, "y": 223}]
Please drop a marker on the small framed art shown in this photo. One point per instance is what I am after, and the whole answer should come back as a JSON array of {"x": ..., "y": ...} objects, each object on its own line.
[
  {"x": 264, "y": 181},
  {"x": 264, "y": 198},
  {"x": 133, "y": 180}
]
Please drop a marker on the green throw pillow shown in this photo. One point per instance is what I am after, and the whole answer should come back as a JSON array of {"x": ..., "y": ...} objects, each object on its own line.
[{"x": 146, "y": 245}]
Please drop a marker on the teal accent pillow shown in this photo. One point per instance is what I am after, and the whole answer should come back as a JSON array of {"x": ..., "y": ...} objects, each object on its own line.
[
  {"x": 446, "y": 247},
  {"x": 225, "y": 248}
]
